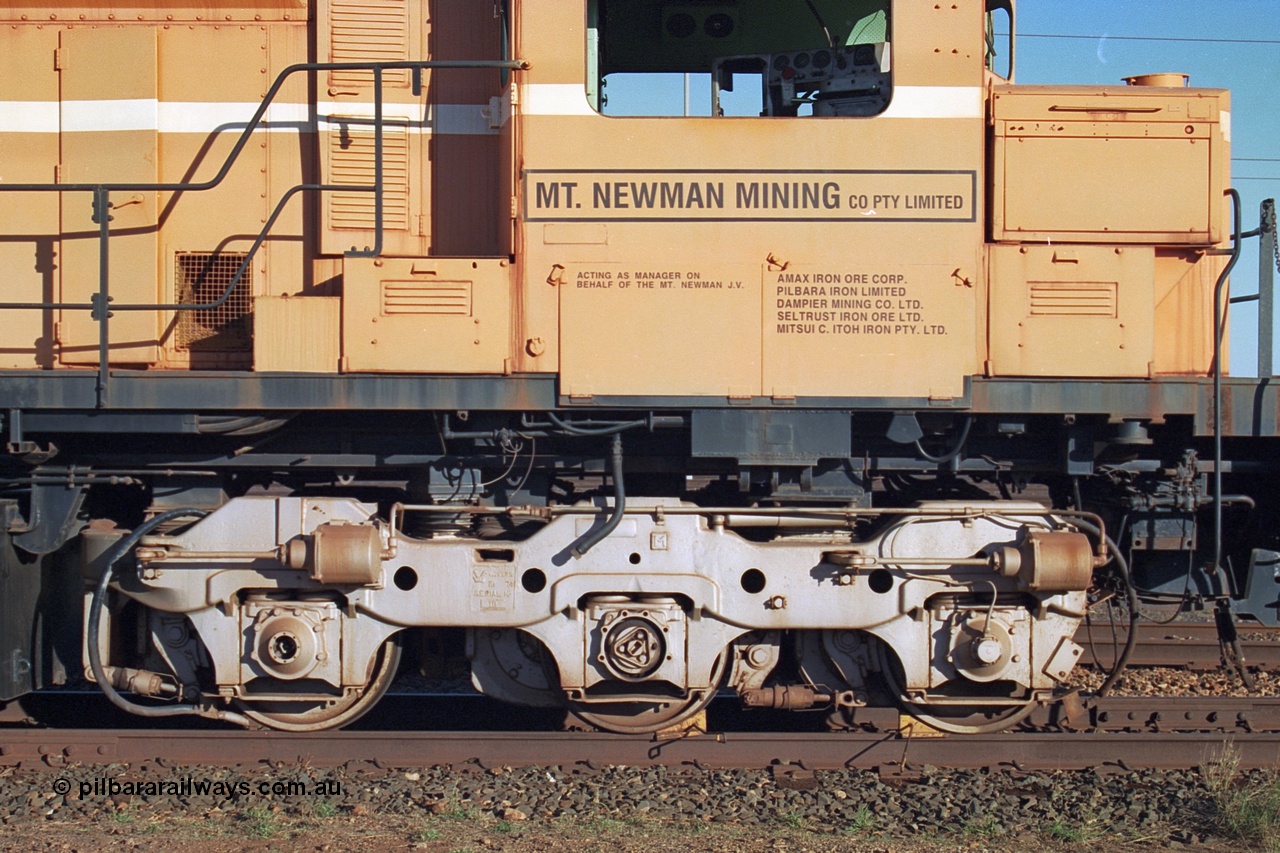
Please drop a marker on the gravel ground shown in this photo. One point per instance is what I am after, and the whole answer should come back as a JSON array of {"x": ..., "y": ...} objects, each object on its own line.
[
  {"x": 614, "y": 809},
  {"x": 1157, "y": 681}
]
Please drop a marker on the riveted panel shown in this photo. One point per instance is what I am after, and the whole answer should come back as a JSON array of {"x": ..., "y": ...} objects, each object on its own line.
[
  {"x": 1120, "y": 145},
  {"x": 1072, "y": 311},
  {"x": 427, "y": 315},
  {"x": 109, "y": 118}
]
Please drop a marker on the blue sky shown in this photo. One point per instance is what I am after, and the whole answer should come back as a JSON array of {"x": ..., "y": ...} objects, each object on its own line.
[{"x": 1221, "y": 44}]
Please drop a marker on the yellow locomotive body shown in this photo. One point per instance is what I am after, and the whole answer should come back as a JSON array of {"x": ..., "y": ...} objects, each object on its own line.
[{"x": 317, "y": 250}]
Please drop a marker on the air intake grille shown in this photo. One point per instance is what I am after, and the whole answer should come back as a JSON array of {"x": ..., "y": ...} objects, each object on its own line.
[
  {"x": 352, "y": 163},
  {"x": 369, "y": 31},
  {"x": 202, "y": 277},
  {"x": 1073, "y": 299},
  {"x": 438, "y": 298}
]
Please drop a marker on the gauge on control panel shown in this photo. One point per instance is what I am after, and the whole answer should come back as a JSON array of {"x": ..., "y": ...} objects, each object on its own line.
[{"x": 846, "y": 80}]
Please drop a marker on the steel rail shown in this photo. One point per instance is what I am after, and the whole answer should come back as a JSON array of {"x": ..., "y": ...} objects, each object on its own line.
[
  {"x": 60, "y": 749},
  {"x": 1188, "y": 645}
]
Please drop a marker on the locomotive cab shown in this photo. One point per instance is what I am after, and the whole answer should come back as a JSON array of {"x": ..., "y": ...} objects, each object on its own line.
[{"x": 795, "y": 58}]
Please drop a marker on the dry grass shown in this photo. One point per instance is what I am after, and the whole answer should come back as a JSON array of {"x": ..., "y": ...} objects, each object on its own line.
[{"x": 1245, "y": 810}]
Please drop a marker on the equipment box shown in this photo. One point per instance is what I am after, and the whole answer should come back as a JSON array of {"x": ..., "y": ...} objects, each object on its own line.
[
  {"x": 1072, "y": 310},
  {"x": 1130, "y": 164}
]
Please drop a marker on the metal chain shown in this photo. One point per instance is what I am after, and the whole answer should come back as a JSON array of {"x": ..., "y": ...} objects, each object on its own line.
[{"x": 1269, "y": 215}]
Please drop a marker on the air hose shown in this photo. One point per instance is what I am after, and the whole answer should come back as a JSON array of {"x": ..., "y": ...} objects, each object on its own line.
[
  {"x": 1131, "y": 594},
  {"x": 587, "y": 541},
  {"x": 98, "y": 602}
]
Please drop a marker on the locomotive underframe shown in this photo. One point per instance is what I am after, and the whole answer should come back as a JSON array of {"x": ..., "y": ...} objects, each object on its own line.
[
  {"x": 737, "y": 561},
  {"x": 675, "y": 579}
]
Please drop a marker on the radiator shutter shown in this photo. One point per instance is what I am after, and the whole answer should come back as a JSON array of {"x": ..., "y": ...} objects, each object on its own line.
[
  {"x": 352, "y": 164},
  {"x": 369, "y": 31}
]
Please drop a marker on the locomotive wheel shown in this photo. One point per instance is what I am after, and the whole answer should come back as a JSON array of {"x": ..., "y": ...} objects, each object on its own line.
[
  {"x": 634, "y": 717},
  {"x": 955, "y": 719},
  {"x": 975, "y": 723},
  {"x": 310, "y": 715}
]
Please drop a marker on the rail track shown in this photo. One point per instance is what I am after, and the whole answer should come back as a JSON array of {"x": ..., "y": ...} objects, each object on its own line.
[
  {"x": 1121, "y": 733},
  {"x": 1187, "y": 645},
  {"x": 1027, "y": 751},
  {"x": 1076, "y": 732}
]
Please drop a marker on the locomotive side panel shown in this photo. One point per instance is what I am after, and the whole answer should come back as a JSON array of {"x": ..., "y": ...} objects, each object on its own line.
[
  {"x": 156, "y": 95},
  {"x": 145, "y": 96},
  {"x": 787, "y": 256},
  {"x": 109, "y": 117},
  {"x": 468, "y": 157},
  {"x": 1117, "y": 257},
  {"x": 372, "y": 31},
  {"x": 29, "y": 151}
]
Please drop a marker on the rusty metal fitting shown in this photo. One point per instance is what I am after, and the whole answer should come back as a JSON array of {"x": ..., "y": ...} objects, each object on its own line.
[
  {"x": 1048, "y": 560},
  {"x": 337, "y": 554},
  {"x": 96, "y": 541},
  {"x": 288, "y": 642},
  {"x": 790, "y": 697},
  {"x": 139, "y": 681},
  {"x": 849, "y": 559}
]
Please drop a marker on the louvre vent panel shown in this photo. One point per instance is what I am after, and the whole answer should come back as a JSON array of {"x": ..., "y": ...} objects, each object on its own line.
[
  {"x": 352, "y": 163},
  {"x": 201, "y": 278},
  {"x": 370, "y": 31},
  {"x": 1073, "y": 299},
  {"x": 435, "y": 298}
]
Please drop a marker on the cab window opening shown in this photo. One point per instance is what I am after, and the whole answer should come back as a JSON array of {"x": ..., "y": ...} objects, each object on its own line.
[
  {"x": 1000, "y": 30},
  {"x": 776, "y": 58}
]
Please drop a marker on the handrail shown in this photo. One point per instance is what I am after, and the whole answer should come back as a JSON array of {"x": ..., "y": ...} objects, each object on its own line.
[
  {"x": 1218, "y": 331},
  {"x": 1268, "y": 264},
  {"x": 101, "y": 203}
]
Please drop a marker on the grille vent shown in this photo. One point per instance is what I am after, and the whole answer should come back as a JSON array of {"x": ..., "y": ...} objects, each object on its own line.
[
  {"x": 369, "y": 31},
  {"x": 436, "y": 298},
  {"x": 201, "y": 277},
  {"x": 1073, "y": 299},
  {"x": 352, "y": 163}
]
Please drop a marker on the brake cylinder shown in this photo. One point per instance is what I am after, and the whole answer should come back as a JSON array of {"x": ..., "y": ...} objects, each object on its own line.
[{"x": 1049, "y": 561}]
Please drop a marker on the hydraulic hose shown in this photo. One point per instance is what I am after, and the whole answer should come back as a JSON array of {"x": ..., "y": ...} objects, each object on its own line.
[
  {"x": 98, "y": 602},
  {"x": 953, "y": 452},
  {"x": 587, "y": 541}
]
